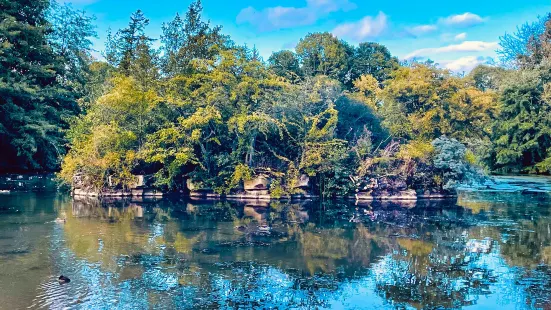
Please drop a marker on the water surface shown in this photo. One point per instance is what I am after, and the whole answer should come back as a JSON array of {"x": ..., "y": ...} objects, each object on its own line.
[{"x": 485, "y": 250}]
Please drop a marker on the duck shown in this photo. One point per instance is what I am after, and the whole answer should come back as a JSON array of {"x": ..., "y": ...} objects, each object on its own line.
[
  {"x": 63, "y": 279},
  {"x": 60, "y": 220}
]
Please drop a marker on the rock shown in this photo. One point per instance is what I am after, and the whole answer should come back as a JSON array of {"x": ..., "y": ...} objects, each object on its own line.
[
  {"x": 260, "y": 182},
  {"x": 140, "y": 180},
  {"x": 78, "y": 181},
  {"x": 196, "y": 187},
  {"x": 115, "y": 193},
  {"x": 264, "y": 230},
  {"x": 303, "y": 182},
  {"x": 84, "y": 192},
  {"x": 143, "y": 181}
]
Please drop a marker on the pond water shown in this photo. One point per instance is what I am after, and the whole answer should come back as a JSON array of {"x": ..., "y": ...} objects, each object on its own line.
[{"x": 486, "y": 250}]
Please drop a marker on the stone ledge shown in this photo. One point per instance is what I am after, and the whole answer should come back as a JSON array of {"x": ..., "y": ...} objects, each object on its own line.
[{"x": 136, "y": 192}]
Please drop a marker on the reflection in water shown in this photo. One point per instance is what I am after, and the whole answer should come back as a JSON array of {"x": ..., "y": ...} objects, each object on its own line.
[{"x": 488, "y": 249}]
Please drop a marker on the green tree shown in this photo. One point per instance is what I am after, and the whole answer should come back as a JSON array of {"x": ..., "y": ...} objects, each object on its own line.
[
  {"x": 285, "y": 64},
  {"x": 33, "y": 102},
  {"x": 489, "y": 77},
  {"x": 322, "y": 53},
  {"x": 189, "y": 39},
  {"x": 122, "y": 47},
  {"x": 373, "y": 59},
  {"x": 72, "y": 31},
  {"x": 523, "y": 130},
  {"x": 105, "y": 142},
  {"x": 432, "y": 103}
]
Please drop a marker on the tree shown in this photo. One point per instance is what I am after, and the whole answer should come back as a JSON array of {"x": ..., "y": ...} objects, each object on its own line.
[
  {"x": 145, "y": 67},
  {"x": 372, "y": 59},
  {"x": 122, "y": 48},
  {"x": 189, "y": 39},
  {"x": 70, "y": 38},
  {"x": 106, "y": 141},
  {"x": 522, "y": 132},
  {"x": 285, "y": 64},
  {"x": 523, "y": 129},
  {"x": 322, "y": 53},
  {"x": 33, "y": 102},
  {"x": 451, "y": 163},
  {"x": 489, "y": 77},
  {"x": 516, "y": 45},
  {"x": 435, "y": 103}
]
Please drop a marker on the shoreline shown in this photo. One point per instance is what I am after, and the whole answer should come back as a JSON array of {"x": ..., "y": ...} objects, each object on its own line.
[{"x": 362, "y": 196}]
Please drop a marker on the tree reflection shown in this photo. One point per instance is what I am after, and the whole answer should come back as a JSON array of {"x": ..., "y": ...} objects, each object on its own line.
[{"x": 231, "y": 254}]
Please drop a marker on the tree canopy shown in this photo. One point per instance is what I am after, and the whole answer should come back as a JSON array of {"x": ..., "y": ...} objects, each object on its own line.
[{"x": 205, "y": 109}]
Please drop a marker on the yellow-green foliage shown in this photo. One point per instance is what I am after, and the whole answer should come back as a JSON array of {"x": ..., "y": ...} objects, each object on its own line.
[
  {"x": 416, "y": 150},
  {"x": 276, "y": 189},
  {"x": 426, "y": 102},
  {"x": 470, "y": 157},
  {"x": 241, "y": 173},
  {"x": 367, "y": 90},
  {"x": 106, "y": 141}
]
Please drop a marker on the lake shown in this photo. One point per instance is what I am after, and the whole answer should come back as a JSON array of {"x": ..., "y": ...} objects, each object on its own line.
[{"x": 487, "y": 250}]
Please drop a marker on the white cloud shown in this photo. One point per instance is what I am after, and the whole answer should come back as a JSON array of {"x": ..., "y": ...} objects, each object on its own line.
[
  {"x": 462, "y": 20},
  {"x": 367, "y": 27},
  {"x": 461, "y": 36},
  {"x": 279, "y": 17},
  {"x": 422, "y": 29},
  {"x": 467, "y": 46},
  {"x": 463, "y": 64}
]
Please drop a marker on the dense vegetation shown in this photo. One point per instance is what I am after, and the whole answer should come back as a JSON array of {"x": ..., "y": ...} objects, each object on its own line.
[{"x": 205, "y": 108}]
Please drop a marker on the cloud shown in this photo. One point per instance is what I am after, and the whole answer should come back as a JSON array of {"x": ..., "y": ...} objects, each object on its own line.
[
  {"x": 464, "y": 64},
  {"x": 422, "y": 29},
  {"x": 461, "y": 36},
  {"x": 467, "y": 46},
  {"x": 280, "y": 17},
  {"x": 462, "y": 20},
  {"x": 367, "y": 27}
]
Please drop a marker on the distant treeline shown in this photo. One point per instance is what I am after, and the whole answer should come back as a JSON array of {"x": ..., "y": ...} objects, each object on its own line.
[{"x": 205, "y": 108}]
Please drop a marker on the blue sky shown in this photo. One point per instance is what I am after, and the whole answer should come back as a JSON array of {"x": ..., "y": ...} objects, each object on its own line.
[{"x": 456, "y": 34}]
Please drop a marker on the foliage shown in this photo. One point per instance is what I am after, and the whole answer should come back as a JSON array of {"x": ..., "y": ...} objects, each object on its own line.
[
  {"x": 107, "y": 140},
  {"x": 70, "y": 38},
  {"x": 372, "y": 59},
  {"x": 37, "y": 92},
  {"x": 428, "y": 102},
  {"x": 322, "y": 54},
  {"x": 188, "y": 39},
  {"x": 285, "y": 64},
  {"x": 121, "y": 49},
  {"x": 515, "y": 46},
  {"x": 204, "y": 109},
  {"x": 452, "y": 162}
]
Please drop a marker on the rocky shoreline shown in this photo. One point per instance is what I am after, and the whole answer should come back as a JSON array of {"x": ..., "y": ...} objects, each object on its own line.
[{"x": 259, "y": 188}]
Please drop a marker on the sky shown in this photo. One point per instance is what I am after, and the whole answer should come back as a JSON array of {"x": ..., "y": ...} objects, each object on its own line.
[{"x": 458, "y": 35}]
